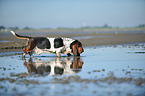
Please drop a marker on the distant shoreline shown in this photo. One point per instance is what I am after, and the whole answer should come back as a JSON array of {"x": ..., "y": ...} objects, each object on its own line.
[{"x": 90, "y": 29}]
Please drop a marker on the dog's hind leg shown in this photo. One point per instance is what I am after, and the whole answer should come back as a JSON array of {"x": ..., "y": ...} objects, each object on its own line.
[
  {"x": 24, "y": 52},
  {"x": 31, "y": 45},
  {"x": 31, "y": 54}
]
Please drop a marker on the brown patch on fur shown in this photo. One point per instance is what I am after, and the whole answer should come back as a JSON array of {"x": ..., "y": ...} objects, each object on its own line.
[{"x": 77, "y": 49}]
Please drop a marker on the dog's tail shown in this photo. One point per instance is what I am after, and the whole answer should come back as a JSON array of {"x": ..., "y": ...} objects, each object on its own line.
[{"x": 20, "y": 37}]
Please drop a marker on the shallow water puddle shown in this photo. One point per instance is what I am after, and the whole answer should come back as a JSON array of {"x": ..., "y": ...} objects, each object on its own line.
[
  {"x": 106, "y": 70},
  {"x": 3, "y": 41}
]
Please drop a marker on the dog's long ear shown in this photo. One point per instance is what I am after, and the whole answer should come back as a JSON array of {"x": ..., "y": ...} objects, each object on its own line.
[
  {"x": 75, "y": 50},
  {"x": 80, "y": 48}
]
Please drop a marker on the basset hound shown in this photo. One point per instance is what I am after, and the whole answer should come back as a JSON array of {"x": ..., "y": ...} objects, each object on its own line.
[{"x": 51, "y": 45}]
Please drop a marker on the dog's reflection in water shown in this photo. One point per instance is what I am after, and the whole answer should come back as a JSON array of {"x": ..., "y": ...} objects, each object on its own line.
[{"x": 54, "y": 66}]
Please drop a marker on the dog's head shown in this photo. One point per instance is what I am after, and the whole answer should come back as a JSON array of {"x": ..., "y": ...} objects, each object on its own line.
[{"x": 76, "y": 47}]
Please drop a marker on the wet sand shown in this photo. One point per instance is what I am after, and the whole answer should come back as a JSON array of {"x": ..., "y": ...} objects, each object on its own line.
[{"x": 8, "y": 43}]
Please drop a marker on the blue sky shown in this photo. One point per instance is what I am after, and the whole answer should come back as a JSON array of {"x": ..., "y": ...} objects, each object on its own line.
[{"x": 71, "y": 13}]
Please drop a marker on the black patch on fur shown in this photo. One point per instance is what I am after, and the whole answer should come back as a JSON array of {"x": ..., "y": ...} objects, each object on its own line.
[
  {"x": 58, "y": 42},
  {"x": 58, "y": 70},
  {"x": 43, "y": 43},
  {"x": 43, "y": 69}
]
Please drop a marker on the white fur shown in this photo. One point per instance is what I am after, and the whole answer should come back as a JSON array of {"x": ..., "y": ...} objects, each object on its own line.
[
  {"x": 52, "y": 50},
  {"x": 67, "y": 42},
  {"x": 12, "y": 32}
]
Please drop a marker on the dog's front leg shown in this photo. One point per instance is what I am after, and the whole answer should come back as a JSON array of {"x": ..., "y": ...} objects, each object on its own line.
[{"x": 58, "y": 54}]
